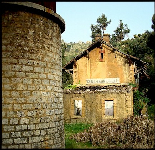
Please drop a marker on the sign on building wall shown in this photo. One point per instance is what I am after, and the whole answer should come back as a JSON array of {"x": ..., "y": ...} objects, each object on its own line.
[{"x": 102, "y": 81}]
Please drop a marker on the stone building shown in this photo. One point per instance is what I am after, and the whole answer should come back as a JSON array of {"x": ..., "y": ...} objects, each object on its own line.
[
  {"x": 32, "y": 95},
  {"x": 103, "y": 75}
]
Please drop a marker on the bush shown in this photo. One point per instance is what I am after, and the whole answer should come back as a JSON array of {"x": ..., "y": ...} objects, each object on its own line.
[
  {"x": 139, "y": 100},
  {"x": 132, "y": 132},
  {"x": 151, "y": 111}
]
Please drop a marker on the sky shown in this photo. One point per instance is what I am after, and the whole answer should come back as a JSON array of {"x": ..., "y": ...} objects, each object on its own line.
[{"x": 79, "y": 16}]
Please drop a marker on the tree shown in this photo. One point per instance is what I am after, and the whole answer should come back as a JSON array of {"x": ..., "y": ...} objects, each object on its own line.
[
  {"x": 139, "y": 101},
  {"x": 66, "y": 77},
  {"x": 150, "y": 44},
  {"x": 99, "y": 28},
  {"x": 120, "y": 33},
  {"x": 64, "y": 49},
  {"x": 151, "y": 38},
  {"x": 137, "y": 47}
]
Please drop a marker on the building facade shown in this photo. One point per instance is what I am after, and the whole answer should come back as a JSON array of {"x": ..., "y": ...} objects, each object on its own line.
[{"x": 108, "y": 71}]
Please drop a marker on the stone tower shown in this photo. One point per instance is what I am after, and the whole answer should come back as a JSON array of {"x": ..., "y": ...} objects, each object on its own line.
[{"x": 32, "y": 95}]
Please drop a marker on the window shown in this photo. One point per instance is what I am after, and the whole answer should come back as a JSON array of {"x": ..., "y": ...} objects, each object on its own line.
[
  {"x": 78, "y": 107},
  {"x": 102, "y": 52},
  {"x": 109, "y": 108},
  {"x": 136, "y": 78},
  {"x": 101, "y": 55}
]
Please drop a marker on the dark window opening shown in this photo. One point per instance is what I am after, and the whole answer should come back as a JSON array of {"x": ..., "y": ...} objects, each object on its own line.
[{"x": 101, "y": 55}]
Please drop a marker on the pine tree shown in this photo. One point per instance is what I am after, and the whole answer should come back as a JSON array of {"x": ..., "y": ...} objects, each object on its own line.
[
  {"x": 121, "y": 31},
  {"x": 99, "y": 28}
]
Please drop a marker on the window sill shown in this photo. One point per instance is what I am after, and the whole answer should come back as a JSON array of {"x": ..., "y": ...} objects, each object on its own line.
[{"x": 74, "y": 117}]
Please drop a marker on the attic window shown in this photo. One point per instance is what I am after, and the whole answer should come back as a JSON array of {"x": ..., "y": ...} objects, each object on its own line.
[{"x": 101, "y": 57}]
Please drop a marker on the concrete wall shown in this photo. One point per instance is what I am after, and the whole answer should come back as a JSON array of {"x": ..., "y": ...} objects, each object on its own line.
[
  {"x": 113, "y": 65},
  {"x": 93, "y": 103},
  {"x": 32, "y": 97}
]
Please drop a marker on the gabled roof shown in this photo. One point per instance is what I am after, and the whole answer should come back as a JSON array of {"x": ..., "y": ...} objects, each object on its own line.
[
  {"x": 84, "y": 53},
  {"x": 98, "y": 43}
]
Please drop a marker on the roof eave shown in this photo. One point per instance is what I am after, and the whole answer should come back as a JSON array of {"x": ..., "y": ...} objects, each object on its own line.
[
  {"x": 92, "y": 46},
  {"x": 95, "y": 44}
]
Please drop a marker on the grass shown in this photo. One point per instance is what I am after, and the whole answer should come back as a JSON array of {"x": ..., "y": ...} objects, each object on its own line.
[
  {"x": 74, "y": 128},
  {"x": 71, "y": 129}
]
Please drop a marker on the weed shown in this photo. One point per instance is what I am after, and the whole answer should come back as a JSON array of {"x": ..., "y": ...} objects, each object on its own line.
[{"x": 71, "y": 129}]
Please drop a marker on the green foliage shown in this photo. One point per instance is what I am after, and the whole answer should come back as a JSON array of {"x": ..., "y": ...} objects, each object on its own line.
[
  {"x": 70, "y": 86},
  {"x": 72, "y": 49},
  {"x": 95, "y": 30},
  {"x": 78, "y": 127},
  {"x": 64, "y": 49},
  {"x": 71, "y": 129},
  {"x": 153, "y": 21},
  {"x": 138, "y": 47},
  {"x": 151, "y": 111},
  {"x": 101, "y": 25},
  {"x": 133, "y": 84},
  {"x": 150, "y": 40},
  {"x": 66, "y": 79},
  {"x": 151, "y": 37},
  {"x": 139, "y": 100},
  {"x": 103, "y": 22},
  {"x": 120, "y": 33}
]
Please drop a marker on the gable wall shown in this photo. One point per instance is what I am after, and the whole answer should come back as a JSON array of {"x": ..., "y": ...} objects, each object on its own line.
[{"x": 114, "y": 65}]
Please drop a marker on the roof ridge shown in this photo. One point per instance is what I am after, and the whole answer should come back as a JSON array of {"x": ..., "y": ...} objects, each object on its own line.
[{"x": 106, "y": 43}]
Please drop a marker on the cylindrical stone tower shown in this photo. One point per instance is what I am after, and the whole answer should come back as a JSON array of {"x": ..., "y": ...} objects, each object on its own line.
[{"x": 32, "y": 95}]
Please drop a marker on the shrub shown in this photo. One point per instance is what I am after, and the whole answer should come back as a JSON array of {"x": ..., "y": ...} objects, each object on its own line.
[
  {"x": 139, "y": 100},
  {"x": 151, "y": 111},
  {"x": 132, "y": 132}
]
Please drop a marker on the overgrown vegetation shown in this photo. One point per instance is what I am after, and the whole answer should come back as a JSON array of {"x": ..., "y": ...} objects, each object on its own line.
[
  {"x": 71, "y": 86},
  {"x": 71, "y": 129},
  {"x": 67, "y": 80},
  {"x": 150, "y": 111},
  {"x": 140, "y": 101},
  {"x": 131, "y": 133}
]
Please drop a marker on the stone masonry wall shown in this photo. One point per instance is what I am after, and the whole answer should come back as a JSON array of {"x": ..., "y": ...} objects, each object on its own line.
[
  {"x": 32, "y": 97},
  {"x": 93, "y": 103}
]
